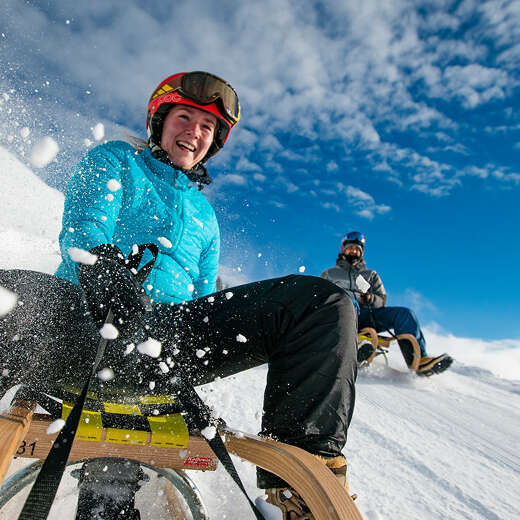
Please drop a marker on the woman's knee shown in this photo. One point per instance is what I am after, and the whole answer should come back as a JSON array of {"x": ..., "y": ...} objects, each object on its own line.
[{"x": 316, "y": 286}]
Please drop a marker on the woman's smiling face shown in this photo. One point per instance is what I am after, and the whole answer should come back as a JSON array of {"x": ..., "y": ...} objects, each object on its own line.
[{"x": 187, "y": 135}]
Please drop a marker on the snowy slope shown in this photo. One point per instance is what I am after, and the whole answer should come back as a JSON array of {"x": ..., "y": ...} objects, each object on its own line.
[
  {"x": 437, "y": 448},
  {"x": 30, "y": 218}
]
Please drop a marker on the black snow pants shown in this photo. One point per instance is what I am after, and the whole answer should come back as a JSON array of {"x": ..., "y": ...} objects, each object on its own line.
[{"x": 304, "y": 327}]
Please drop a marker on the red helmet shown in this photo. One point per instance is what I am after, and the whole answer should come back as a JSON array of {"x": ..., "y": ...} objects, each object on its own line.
[{"x": 200, "y": 90}]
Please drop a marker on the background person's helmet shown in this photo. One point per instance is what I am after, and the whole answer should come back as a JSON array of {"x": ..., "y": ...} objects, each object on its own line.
[
  {"x": 197, "y": 89},
  {"x": 354, "y": 238}
]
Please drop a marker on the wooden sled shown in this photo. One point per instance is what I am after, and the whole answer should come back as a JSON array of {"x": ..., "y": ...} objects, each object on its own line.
[
  {"x": 382, "y": 343},
  {"x": 23, "y": 434}
]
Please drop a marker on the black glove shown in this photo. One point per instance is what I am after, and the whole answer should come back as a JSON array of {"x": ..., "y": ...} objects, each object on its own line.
[{"x": 109, "y": 284}]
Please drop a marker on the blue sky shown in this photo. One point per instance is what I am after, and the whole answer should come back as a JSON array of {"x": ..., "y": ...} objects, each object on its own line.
[{"x": 399, "y": 119}]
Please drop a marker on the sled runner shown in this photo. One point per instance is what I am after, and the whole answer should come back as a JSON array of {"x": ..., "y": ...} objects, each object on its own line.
[
  {"x": 115, "y": 439},
  {"x": 380, "y": 345}
]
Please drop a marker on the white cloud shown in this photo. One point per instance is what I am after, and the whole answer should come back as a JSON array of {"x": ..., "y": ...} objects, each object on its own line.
[
  {"x": 332, "y": 166},
  {"x": 288, "y": 185},
  {"x": 491, "y": 171},
  {"x": 363, "y": 203},
  {"x": 232, "y": 178},
  {"x": 271, "y": 143},
  {"x": 417, "y": 301},
  {"x": 473, "y": 84},
  {"x": 331, "y": 205},
  {"x": 245, "y": 164}
]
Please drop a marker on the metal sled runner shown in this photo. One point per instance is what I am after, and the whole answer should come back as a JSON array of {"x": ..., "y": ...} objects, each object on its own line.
[{"x": 165, "y": 445}]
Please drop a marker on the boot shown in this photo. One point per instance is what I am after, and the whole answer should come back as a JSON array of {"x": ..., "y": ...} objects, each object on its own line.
[
  {"x": 434, "y": 365},
  {"x": 291, "y": 503},
  {"x": 364, "y": 352}
]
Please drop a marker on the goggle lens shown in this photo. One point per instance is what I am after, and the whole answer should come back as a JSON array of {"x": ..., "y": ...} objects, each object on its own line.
[
  {"x": 206, "y": 88},
  {"x": 355, "y": 237}
]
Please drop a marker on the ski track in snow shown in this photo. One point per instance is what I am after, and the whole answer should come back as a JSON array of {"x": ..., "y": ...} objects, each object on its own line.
[{"x": 434, "y": 448}]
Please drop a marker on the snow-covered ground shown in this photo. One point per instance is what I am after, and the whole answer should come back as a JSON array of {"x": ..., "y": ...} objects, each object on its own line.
[{"x": 437, "y": 448}]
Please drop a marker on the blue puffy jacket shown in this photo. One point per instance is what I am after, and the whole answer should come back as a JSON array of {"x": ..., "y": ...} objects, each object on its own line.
[{"x": 123, "y": 197}]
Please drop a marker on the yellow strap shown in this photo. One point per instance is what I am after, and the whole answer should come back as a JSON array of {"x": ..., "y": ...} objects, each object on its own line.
[
  {"x": 120, "y": 436},
  {"x": 128, "y": 409},
  {"x": 90, "y": 425},
  {"x": 169, "y": 431},
  {"x": 156, "y": 399}
]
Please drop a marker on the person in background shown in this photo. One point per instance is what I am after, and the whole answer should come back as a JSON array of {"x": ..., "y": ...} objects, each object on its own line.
[
  {"x": 122, "y": 196},
  {"x": 365, "y": 285}
]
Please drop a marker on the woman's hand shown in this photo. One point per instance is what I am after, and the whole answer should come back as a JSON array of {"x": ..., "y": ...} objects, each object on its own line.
[{"x": 109, "y": 284}]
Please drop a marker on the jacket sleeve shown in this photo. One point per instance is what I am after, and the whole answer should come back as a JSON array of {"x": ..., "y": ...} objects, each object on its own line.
[
  {"x": 208, "y": 267},
  {"x": 92, "y": 203},
  {"x": 377, "y": 290}
]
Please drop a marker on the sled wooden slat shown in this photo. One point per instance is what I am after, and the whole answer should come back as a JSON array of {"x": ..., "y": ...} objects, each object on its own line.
[
  {"x": 13, "y": 427},
  {"x": 316, "y": 484},
  {"x": 198, "y": 455}
]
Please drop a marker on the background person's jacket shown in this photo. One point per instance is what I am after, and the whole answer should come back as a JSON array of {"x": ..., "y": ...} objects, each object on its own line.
[
  {"x": 344, "y": 275},
  {"x": 123, "y": 197}
]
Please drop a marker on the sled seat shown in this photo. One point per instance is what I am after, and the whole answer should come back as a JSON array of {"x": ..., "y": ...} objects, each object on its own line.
[
  {"x": 23, "y": 433},
  {"x": 381, "y": 344}
]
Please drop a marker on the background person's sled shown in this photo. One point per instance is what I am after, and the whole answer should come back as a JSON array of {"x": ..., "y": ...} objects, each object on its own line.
[
  {"x": 381, "y": 344},
  {"x": 23, "y": 433}
]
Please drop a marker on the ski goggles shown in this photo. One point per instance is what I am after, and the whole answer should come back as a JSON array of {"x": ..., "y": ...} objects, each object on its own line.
[
  {"x": 354, "y": 237},
  {"x": 204, "y": 88}
]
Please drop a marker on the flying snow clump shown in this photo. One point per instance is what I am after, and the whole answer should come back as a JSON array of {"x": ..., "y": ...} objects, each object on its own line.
[
  {"x": 165, "y": 242},
  {"x": 81, "y": 256},
  {"x": 209, "y": 432},
  {"x": 108, "y": 331},
  {"x": 98, "y": 131},
  {"x": 106, "y": 374},
  {"x": 241, "y": 339},
  {"x": 301, "y": 269},
  {"x": 113, "y": 185},
  {"x": 44, "y": 152},
  {"x": 151, "y": 347},
  {"x": 8, "y": 300},
  {"x": 55, "y": 426}
]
